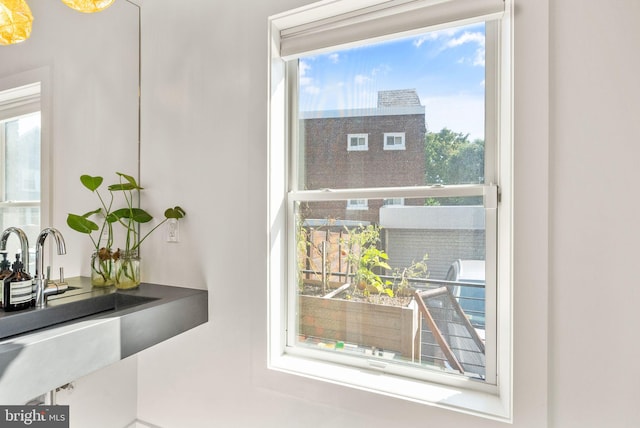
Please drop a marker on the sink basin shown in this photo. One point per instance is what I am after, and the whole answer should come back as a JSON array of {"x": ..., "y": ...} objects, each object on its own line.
[{"x": 63, "y": 309}]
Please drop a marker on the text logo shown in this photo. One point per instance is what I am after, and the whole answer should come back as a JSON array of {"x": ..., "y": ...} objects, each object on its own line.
[{"x": 34, "y": 416}]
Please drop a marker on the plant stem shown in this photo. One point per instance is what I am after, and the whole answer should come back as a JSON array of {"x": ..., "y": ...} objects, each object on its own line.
[{"x": 148, "y": 233}]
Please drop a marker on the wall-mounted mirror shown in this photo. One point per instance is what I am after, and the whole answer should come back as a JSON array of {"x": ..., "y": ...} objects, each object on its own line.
[{"x": 81, "y": 75}]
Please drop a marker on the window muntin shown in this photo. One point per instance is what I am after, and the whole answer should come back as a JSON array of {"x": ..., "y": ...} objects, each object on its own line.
[
  {"x": 357, "y": 142},
  {"x": 291, "y": 34},
  {"x": 394, "y": 141}
]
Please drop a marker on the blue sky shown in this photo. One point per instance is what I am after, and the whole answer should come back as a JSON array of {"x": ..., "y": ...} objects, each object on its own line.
[{"x": 445, "y": 67}]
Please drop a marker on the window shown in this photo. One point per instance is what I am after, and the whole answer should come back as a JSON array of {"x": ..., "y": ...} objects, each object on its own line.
[
  {"x": 369, "y": 260},
  {"x": 20, "y": 193},
  {"x": 357, "y": 142},
  {"x": 357, "y": 204},
  {"x": 394, "y": 141},
  {"x": 391, "y": 202}
]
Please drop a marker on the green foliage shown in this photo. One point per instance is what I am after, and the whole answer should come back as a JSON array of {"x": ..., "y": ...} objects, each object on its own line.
[
  {"x": 129, "y": 217},
  {"x": 452, "y": 159},
  {"x": 403, "y": 275},
  {"x": 365, "y": 258}
]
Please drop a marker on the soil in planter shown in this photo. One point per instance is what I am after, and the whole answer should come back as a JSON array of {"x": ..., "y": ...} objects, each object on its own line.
[{"x": 312, "y": 289}]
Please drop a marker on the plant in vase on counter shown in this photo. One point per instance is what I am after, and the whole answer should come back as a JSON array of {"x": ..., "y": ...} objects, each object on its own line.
[{"x": 109, "y": 265}]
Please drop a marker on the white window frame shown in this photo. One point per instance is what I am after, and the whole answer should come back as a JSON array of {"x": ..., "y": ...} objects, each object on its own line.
[
  {"x": 14, "y": 104},
  {"x": 394, "y": 146},
  {"x": 292, "y": 33},
  {"x": 391, "y": 202},
  {"x": 357, "y": 204},
  {"x": 358, "y": 148},
  {"x": 22, "y": 86}
]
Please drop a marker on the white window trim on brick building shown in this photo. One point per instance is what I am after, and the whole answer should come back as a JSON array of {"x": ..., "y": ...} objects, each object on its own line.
[
  {"x": 396, "y": 145},
  {"x": 320, "y": 26},
  {"x": 357, "y": 204},
  {"x": 358, "y": 138}
]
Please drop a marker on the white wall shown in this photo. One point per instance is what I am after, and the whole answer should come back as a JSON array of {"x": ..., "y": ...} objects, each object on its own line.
[
  {"x": 204, "y": 128},
  {"x": 204, "y": 119},
  {"x": 595, "y": 106}
]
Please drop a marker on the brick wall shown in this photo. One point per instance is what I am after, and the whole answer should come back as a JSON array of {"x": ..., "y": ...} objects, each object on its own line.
[
  {"x": 443, "y": 246},
  {"x": 328, "y": 163}
]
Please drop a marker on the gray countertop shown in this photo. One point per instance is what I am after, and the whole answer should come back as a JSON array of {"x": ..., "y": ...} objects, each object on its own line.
[{"x": 37, "y": 360}]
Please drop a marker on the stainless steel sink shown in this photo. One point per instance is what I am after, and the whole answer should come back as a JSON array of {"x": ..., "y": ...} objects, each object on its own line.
[{"x": 74, "y": 304}]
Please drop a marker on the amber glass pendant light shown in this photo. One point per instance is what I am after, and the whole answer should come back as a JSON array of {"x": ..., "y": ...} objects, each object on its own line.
[
  {"x": 88, "y": 6},
  {"x": 15, "y": 21}
]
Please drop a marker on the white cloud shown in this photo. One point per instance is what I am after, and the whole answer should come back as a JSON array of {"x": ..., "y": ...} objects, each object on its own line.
[
  {"x": 382, "y": 69},
  {"x": 455, "y": 37},
  {"x": 312, "y": 90},
  {"x": 466, "y": 37},
  {"x": 435, "y": 35},
  {"x": 334, "y": 58},
  {"x": 361, "y": 79},
  {"x": 479, "y": 58},
  {"x": 306, "y": 82}
]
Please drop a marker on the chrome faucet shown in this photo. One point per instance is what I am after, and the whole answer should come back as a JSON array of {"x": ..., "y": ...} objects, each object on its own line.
[
  {"x": 40, "y": 281},
  {"x": 24, "y": 244}
]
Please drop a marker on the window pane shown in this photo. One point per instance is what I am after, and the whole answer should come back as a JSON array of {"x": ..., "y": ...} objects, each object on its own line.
[
  {"x": 22, "y": 158},
  {"x": 437, "y": 250},
  {"x": 20, "y": 198},
  {"x": 420, "y": 101}
]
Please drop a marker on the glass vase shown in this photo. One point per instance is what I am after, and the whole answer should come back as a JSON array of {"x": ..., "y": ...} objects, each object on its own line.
[
  {"x": 127, "y": 268},
  {"x": 102, "y": 268}
]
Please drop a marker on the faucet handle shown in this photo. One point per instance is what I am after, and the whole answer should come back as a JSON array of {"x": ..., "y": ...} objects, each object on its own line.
[
  {"x": 62, "y": 275},
  {"x": 58, "y": 287}
]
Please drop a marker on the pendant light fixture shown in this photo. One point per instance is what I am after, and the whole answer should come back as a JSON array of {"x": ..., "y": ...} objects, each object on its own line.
[
  {"x": 88, "y": 6},
  {"x": 15, "y": 21}
]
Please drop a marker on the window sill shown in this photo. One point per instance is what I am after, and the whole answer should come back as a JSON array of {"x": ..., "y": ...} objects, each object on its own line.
[{"x": 477, "y": 403}]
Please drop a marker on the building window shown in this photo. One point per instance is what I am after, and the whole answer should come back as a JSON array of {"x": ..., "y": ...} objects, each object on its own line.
[
  {"x": 357, "y": 204},
  {"x": 394, "y": 141},
  {"x": 394, "y": 202},
  {"x": 364, "y": 259},
  {"x": 357, "y": 142}
]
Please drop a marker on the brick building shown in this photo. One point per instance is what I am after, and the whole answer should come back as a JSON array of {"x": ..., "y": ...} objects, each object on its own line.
[{"x": 371, "y": 147}]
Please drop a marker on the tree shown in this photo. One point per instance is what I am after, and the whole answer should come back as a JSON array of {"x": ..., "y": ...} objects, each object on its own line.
[{"x": 452, "y": 159}]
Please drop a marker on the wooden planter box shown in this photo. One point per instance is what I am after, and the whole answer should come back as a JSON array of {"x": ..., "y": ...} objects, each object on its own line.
[{"x": 392, "y": 328}]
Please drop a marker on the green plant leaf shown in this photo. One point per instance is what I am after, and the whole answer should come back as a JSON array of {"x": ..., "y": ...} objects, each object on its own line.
[
  {"x": 112, "y": 218},
  {"x": 383, "y": 265},
  {"x": 90, "y": 213},
  {"x": 91, "y": 183},
  {"x": 175, "y": 212},
  {"x": 130, "y": 184},
  {"x": 130, "y": 180},
  {"x": 81, "y": 224},
  {"x": 136, "y": 214},
  {"x": 123, "y": 186}
]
